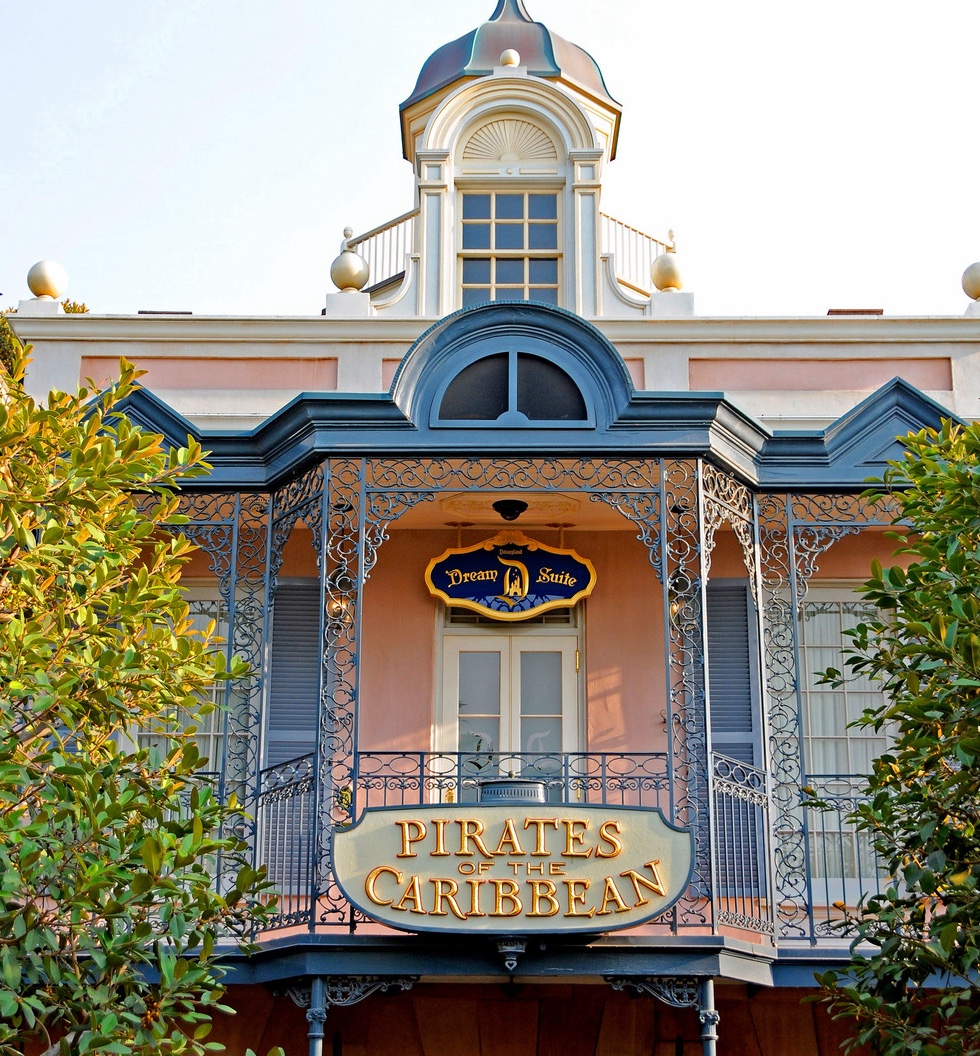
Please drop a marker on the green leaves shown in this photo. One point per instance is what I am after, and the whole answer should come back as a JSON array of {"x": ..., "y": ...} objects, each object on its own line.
[
  {"x": 919, "y": 992},
  {"x": 108, "y": 851}
]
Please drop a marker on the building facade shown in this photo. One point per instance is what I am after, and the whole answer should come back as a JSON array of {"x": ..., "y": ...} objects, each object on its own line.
[{"x": 537, "y": 572}]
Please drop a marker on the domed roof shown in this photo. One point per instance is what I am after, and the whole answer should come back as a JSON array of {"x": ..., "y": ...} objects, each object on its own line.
[{"x": 544, "y": 53}]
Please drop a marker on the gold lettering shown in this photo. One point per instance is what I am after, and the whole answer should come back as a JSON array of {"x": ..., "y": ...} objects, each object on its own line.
[
  {"x": 471, "y": 829},
  {"x": 457, "y": 577},
  {"x": 506, "y": 891},
  {"x": 577, "y": 890},
  {"x": 540, "y": 846},
  {"x": 475, "y": 886},
  {"x": 370, "y": 888},
  {"x": 407, "y": 841},
  {"x": 413, "y": 894},
  {"x": 509, "y": 836},
  {"x": 447, "y": 890},
  {"x": 563, "y": 579},
  {"x": 543, "y": 891},
  {"x": 535, "y": 868},
  {"x": 575, "y": 838},
  {"x": 556, "y": 868},
  {"x": 605, "y": 833},
  {"x": 611, "y": 894},
  {"x": 440, "y": 848},
  {"x": 656, "y": 885}
]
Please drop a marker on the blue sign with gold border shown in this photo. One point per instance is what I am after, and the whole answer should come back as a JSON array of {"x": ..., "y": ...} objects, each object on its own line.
[{"x": 510, "y": 577}]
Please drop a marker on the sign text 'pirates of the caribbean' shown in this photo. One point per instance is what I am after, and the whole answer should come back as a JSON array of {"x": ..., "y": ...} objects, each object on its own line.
[
  {"x": 510, "y": 577},
  {"x": 512, "y": 869}
]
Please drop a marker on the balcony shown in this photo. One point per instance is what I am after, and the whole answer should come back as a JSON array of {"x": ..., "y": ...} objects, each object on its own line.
[{"x": 736, "y": 887}]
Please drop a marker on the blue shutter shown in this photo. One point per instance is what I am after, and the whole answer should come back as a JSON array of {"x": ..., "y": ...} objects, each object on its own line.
[
  {"x": 732, "y": 671},
  {"x": 291, "y": 724}
]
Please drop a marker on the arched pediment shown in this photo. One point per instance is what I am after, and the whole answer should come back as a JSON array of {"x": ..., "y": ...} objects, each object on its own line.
[
  {"x": 552, "y": 369},
  {"x": 479, "y": 103}
]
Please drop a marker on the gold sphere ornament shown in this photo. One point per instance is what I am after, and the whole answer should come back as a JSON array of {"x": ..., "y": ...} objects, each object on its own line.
[
  {"x": 665, "y": 272},
  {"x": 510, "y": 57},
  {"x": 971, "y": 281},
  {"x": 349, "y": 272},
  {"x": 47, "y": 280}
]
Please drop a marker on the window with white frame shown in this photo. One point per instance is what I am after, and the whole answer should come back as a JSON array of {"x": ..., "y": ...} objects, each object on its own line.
[
  {"x": 830, "y": 744},
  {"x": 205, "y": 607},
  {"x": 836, "y": 755},
  {"x": 509, "y": 246}
]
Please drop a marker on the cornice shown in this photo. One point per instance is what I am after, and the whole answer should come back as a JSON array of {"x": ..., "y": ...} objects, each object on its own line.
[
  {"x": 702, "y": 330},
  {"x": 228, "y": 329}
]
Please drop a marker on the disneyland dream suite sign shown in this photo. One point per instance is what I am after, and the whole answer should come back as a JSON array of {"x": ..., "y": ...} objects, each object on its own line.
[{"x": 510, "y": 577}]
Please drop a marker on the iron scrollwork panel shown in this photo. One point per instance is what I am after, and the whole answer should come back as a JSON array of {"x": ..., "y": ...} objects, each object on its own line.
[{"x": 795, "y": 531}]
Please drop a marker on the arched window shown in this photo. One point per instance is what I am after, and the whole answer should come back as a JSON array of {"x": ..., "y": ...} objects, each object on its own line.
[{"x": 512, "y": 389}]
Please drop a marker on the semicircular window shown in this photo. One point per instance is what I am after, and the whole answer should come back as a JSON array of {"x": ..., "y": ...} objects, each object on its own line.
[{"x": 513, "y": 389}]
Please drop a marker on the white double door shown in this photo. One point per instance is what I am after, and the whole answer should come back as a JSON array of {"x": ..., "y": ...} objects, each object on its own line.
[{"x": 509, "y": 696}]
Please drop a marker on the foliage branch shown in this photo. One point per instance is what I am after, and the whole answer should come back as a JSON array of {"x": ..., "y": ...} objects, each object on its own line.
[
  {"x": 109, "y": 912},
  {"x": 912, "y": 985}
]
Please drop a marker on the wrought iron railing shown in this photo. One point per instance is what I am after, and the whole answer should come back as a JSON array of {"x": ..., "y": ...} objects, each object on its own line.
[
  {"x": 385, "y": 248},
  {"x": 286, "y": 818},
  {"x": 740, "y": 826},
  {"x": 601, "y": 778},
  {"x": 842, "y": 864},
  {"x": 633, "y": 252}
]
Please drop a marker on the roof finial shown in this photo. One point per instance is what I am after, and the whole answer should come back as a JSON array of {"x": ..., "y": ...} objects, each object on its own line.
[{"x": 510, "y": 11}]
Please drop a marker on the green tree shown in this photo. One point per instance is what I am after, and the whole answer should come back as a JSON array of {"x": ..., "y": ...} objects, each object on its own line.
[
  {"x": 9, "y": 349},
  {"x": 913, "y": 983},
  {"x": 109, "y": 913}
]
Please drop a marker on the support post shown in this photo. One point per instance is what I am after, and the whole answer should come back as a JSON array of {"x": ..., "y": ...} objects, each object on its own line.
[
  {"x": 316, "y": 1016},
  {"x": 708, "y": 1015}
]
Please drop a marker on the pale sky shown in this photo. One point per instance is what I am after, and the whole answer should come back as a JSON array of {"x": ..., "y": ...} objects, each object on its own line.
[{"x": 205, "y": 155}]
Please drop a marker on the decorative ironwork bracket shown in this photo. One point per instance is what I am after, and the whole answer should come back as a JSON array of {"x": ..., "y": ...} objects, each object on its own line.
[
  {"x": 679, "y": 992},
  {"x": 676, "y": 991},
  {"x": 345, "y": 990}
]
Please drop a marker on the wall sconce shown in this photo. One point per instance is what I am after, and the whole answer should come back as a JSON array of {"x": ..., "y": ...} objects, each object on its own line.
[
  {"x": 678, "y": 590},
  {"x": 339, "y": 609},
  {"x": 339, "y": 605}
]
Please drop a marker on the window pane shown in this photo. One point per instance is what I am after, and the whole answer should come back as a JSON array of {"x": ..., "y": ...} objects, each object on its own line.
[
  {"x": 476, "y": 271},
  {"x": 546, "y": 393},
  {"x": 475, "y": 295},
  {"x": 476, "y": 236},
  {"x": 541, "y": 735},
  {"x": 543, "y": 272},
  {"x": 507, "y": 236},
  {"x": 509, "y": 293},
  {"x": 478, "y": 392},
  {"x": 479, "y": 683},
  {"x": 542, "y": 236},
  {"x": 542, "y": 206},
  {"x": 541, "y": 683},
  {"x": 476, "y": 206},
  {"x": 510, "y": 207},
  {"x": 510, "y": 271},
  {"x": 544, "y": 296}
]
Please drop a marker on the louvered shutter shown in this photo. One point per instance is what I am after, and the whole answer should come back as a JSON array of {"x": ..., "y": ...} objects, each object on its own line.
[
  {"x": 731, "y": 671},
  {"x": 291, "y": 725},
  {"x": 732, "y": 680}
]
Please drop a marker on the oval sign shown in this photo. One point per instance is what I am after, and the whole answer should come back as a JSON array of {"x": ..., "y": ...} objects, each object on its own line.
[{"x": 510, "y": 577}]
